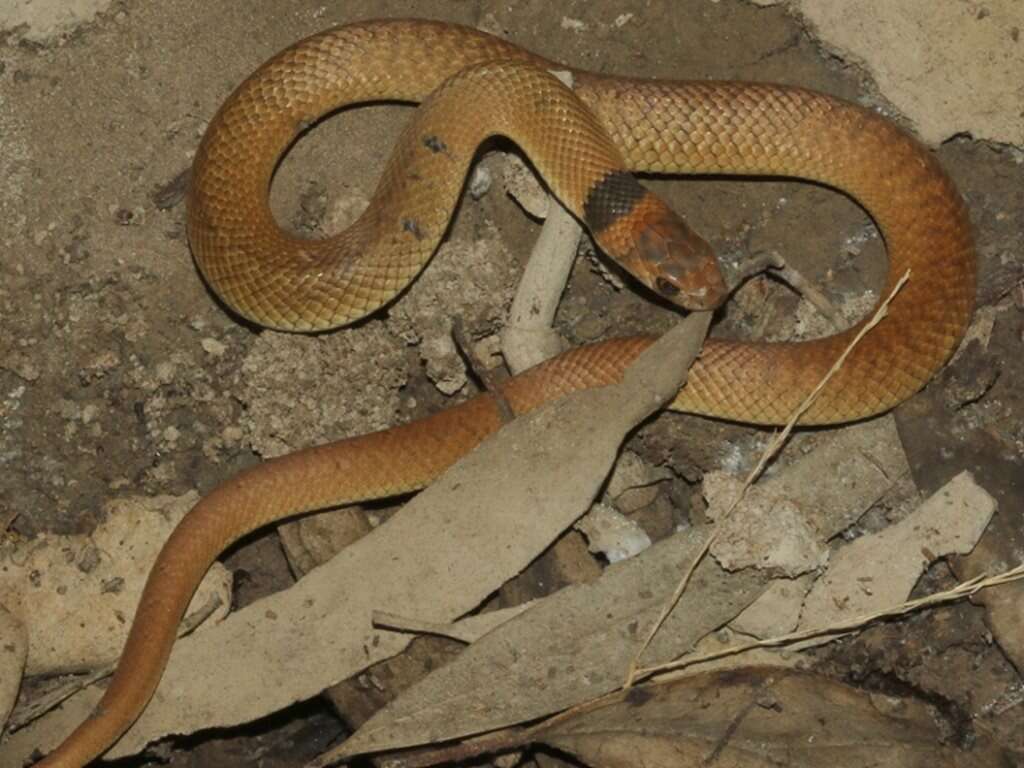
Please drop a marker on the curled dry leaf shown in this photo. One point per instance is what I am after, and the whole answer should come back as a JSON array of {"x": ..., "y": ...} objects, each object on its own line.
[{"x": 759, "y": 717}]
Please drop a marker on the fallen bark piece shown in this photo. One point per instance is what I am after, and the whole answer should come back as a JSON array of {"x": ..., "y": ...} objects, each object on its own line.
[
  {"x": 880, "y": 569},
  {"x": 528, "y": 337},
  {"x": 311, "y": 541},
  {"x": 93, "y": 583},
  {"x": 437, "y": 558},
  {"x": 757, "y": 718},
  {"x": 863, "y": 462},
  {"x": 770, "y": 533}
]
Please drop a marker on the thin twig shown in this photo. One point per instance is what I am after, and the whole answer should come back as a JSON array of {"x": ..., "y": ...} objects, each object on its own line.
[
  {"x": 397, "y": 623},
  {"x": 773, "y": 448},
  {"x": 765, "y": 262},
  {"x": 964, "y": 589},
  {"x": 809, "y": 291},
  {"x": 39, "y": 706},
  {"x": 484, "y": 376}
]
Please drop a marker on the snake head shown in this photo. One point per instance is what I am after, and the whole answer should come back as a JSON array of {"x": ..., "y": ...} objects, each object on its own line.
[{"x": 676, "y": 263}]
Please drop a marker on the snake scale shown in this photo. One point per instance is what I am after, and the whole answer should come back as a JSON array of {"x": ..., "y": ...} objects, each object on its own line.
[{"x": 584, "y": 142}]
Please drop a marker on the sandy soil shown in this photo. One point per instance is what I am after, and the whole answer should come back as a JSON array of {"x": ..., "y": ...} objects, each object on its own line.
[{"x": 119, "y": 371}]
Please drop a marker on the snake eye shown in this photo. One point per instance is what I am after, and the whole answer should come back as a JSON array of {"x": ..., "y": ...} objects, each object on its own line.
[{"x": 665, "y": 288}]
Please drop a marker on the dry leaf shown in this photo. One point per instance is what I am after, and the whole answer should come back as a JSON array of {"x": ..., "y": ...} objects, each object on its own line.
[
  {"x": 572, "y": 646},
  {"x": 881, "y": 569},
  {"x": 756, "y": 718}
]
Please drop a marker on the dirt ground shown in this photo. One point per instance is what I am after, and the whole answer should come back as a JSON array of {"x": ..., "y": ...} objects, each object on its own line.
[{"x": 121, "y": 373}]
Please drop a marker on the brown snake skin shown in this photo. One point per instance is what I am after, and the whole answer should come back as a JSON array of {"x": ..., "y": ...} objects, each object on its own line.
[{"x": 663, "y": 127}]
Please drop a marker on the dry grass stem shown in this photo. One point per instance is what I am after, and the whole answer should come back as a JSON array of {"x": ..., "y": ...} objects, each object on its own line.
[{"x": 962, "y": 590}]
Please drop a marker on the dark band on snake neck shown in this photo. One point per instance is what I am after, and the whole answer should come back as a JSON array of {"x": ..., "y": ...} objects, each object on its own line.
[{"x": 610, "y": 199}]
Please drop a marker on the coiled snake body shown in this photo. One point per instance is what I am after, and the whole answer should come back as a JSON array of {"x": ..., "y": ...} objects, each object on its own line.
[{"x": 582, "y": 142}]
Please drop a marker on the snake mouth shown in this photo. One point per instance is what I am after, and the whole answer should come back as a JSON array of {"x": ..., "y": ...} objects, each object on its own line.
[
  {"x": 697, "y": 300},
  {"x": 698, "y": 289}
]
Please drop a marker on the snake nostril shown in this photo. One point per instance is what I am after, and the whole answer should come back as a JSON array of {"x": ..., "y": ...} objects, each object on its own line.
[{"x": 665, "y": 288}]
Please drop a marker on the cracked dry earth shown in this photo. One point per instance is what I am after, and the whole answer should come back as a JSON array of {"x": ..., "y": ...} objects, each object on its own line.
[{"x": 120, "y": 373}]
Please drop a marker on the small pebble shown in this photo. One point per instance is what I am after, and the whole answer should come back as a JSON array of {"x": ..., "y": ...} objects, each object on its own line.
[{"x": 213, "y": 347}]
